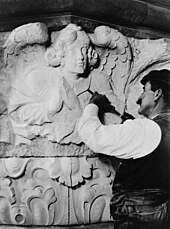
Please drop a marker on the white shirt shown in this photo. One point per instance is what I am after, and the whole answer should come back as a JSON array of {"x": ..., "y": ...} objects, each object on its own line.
[{"x": 132, "y": 139}]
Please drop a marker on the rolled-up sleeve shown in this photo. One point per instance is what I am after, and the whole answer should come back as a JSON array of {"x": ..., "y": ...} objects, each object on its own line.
[{"x": 132, "y": 139}]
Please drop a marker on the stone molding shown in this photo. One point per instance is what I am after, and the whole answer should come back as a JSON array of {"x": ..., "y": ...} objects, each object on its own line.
[{"x": 148, "y": 19}]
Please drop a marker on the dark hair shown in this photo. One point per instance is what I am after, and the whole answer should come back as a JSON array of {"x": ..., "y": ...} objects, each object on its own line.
[
  {"x": 158, "y": 84},
  {"x": 159, "y": 79}
]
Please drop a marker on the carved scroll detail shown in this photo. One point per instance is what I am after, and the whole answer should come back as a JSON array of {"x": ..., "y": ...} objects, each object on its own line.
[{"x": 49, "y": 192}]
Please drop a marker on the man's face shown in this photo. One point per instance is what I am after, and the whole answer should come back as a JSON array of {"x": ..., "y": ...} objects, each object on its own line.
[
  {"x": 75, "y": 59},
  {"x": 146, "y": 100}
]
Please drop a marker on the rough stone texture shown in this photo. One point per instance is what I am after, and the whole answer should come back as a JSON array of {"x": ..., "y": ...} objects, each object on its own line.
[
  {"x": 50, "y": 178},
  {"x": 91, "y": 226},
  {"x": 142, "y": 19}
]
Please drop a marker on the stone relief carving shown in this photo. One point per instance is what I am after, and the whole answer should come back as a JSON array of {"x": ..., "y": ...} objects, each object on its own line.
[
  {"x": 34, "y": 191},
  {"x": 51, "y": 86},
  {"x": 52, "y": 77},
  {"x": 116, "y": 59},
  {"x": 46, "y": 81}
]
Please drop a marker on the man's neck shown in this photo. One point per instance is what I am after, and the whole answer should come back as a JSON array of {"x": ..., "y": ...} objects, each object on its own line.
[{"x": 160, "y": 108}]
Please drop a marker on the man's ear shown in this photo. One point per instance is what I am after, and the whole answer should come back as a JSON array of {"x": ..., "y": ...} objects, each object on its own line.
[{"x": 157, "y": 94}]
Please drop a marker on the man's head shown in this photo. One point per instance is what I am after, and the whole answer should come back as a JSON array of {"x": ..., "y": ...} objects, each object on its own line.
[
  {"x": 156, "y": 93},
  {"x": 72, "y": 50}
]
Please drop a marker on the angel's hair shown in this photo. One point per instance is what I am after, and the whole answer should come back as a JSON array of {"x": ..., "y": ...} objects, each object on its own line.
[{"x": 68, "y": 36}]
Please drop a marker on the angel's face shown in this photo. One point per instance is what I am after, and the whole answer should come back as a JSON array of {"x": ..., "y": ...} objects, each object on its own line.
[{"x": 75, "y": 58}]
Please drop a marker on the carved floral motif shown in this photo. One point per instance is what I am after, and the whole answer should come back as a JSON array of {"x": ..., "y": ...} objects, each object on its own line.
[{"x": 55, "y": 191}]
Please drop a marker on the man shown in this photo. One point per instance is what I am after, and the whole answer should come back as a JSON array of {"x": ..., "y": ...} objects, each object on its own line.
[{"x": 141, "y": 189}]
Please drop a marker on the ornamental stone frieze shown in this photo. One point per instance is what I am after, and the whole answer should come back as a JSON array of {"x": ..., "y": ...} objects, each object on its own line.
[
  {"x": 54, "y": 191},
  {"x": 48, "y": 177}
]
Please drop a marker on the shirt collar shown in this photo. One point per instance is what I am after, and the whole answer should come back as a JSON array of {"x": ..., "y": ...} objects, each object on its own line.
[{"x": 160, "y": 114}]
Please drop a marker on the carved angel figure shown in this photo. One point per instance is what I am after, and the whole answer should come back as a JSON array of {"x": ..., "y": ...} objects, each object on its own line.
[{"x": 47, "y": 99}]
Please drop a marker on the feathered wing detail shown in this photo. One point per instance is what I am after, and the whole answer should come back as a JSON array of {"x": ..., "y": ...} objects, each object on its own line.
[
  {"x": 22, "y": 47},
  {"x": 27, "y": 34},
  {"x": 115, "y": 58}
]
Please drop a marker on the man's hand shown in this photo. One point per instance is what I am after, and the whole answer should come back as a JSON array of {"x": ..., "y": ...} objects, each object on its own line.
[{"x": 101, "y": 101}]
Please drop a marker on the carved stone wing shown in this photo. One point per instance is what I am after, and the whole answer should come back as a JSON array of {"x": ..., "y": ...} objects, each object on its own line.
[
  {"x": 115, "y": 57},
  {"x": 23, "y": 47}
]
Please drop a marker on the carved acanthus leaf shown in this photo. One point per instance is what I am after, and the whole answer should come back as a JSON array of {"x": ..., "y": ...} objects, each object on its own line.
[
  {"x": 70, "y": 171},
  {"x": 148, "y": 55}
]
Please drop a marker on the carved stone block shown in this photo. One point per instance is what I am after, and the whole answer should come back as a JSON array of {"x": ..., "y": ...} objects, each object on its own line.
[
  {"x": 47, "y": 175},
  {"x": 55, "y": 191}
]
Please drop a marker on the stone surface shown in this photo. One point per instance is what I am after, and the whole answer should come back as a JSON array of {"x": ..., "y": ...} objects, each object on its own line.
[
  {"x": 50, "y": 87},
  {"x": 91, "y": 226},
  {"x": 137, "y": 18},
  {"x": 48, "y": 177},
  {"x": 55, "y": 191},
  {"x": 47, "y": 87}
]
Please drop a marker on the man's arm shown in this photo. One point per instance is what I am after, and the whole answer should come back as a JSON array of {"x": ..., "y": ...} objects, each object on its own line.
[{"x": 132, "y": 139}]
